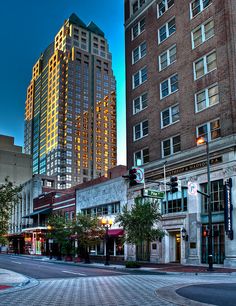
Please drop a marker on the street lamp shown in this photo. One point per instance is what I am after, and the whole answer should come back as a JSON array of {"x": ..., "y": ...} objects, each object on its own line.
[
  {"x": 49, "y": 228},
  {"x": 201, "y": 140},
  {"x": 106, "y": 224}
]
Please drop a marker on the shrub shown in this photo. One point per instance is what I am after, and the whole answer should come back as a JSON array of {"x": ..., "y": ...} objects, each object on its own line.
[{"x": 132, "y": 264}]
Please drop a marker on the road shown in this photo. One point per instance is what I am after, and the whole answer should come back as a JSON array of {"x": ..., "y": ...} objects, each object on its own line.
[
  {"x": 44, "y": 269},
  {"x": 69, "y": 285},
  {"x": 216, "y": 294}
]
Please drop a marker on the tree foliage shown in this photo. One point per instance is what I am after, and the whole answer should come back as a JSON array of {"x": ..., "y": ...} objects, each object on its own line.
[
  {"x": 140, "y": 222},
  {"x": 61, "y": 230},
  {"x": 88, "y": 231},
  {"x": 9, "y": 195},
  {"x": 84, "y": 228}
]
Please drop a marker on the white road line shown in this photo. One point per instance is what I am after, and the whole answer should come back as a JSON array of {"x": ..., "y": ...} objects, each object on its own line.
[
  {"x": 112, "y": 271},
  {"x": 74, "y": 273},
  {"x": 17, "y": 257},
  {"x": 16, "y": 262}
]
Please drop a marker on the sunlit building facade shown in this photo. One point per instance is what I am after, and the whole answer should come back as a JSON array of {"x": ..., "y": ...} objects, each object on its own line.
[{"x": 64, "y": 130}]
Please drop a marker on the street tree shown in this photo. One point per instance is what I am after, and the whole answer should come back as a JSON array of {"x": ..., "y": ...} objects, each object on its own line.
[
  {"x": 88, "y": 231},
  {"x": 9, "y": 195},
  {"x": 60, "y": 230},
  {"x": 141, "y": 225}
]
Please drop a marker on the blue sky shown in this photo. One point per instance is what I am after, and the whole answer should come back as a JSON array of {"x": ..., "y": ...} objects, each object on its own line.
[{"x": 27, "y": 28}]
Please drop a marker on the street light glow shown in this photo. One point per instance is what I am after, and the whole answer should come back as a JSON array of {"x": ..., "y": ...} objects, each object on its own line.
[{"x": 200, "y": 140}]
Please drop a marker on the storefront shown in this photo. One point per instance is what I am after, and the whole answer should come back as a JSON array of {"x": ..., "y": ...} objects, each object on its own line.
[{"x": 36, "y": 241}]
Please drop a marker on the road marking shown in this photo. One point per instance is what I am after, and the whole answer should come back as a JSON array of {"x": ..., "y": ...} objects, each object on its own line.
[
  {"x": 112, "y": 271},
  {"x": 74, "y": 273},
  {"x": 16, "y": 262}
]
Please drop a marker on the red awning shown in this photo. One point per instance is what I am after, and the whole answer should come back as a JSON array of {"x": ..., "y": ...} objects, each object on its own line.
[{"x": 116, "y": 232}]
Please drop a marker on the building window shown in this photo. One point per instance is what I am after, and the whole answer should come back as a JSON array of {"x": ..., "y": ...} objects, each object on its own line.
[
  {"x": 139, "y": 77},
  {"x": 166, "y": 30},
  {"x": 169, "y": 116},
  {"x": 141, "y": 157},
  {"x": 139, "y": 52},
  {"x": 204, "y": 65},
  {"x": 171, "y": 146},
  {"x": 140, "y": 103},
  {"x": 136, "y": 5},
  {"x": 207, "y": 98},
  {"x": 197, "y": 6},
  {"x": 176, "y": 202},
  {"x": 217, "y": 197},
  {"x": 169, "y": 86},
  {"x": 138, "y": 28},
  {"x": 141, "y": 130},
  {"x": 209, "y": 130},
  {"x": 163, "y": 6},
  {"x": 105, "y": 209},
  {"x": 202, "y": 33},
  {"x": 167, "y": 58}
]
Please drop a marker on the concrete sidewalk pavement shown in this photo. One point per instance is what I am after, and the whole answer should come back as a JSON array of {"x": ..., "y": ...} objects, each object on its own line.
[{"x": 11, "y": 281}]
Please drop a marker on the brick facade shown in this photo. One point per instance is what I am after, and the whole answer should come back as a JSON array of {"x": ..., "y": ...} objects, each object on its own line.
[{"x": 223, "y": 42}]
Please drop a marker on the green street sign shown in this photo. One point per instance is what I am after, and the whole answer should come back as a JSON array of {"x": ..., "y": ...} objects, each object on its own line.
[{"x": 153, "y": 193}]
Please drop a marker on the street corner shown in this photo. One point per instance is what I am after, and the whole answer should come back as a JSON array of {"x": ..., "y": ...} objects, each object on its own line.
[{"x": 11, "y": 281}]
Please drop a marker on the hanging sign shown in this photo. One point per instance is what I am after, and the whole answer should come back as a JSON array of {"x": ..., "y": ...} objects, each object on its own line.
[{"x": 228, "y": 208}]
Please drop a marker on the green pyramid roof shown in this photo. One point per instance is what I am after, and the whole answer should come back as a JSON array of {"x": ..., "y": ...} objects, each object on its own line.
[
  {"x": 95, "y": 29},
  {"x": 74, "y": 19}
]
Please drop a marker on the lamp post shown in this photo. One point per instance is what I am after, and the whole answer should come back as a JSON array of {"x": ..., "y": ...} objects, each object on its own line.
[
  {"x": 49, "y": 227},
  {"x": 202, "y": 140},
  {"x": 106, "y": 223}
]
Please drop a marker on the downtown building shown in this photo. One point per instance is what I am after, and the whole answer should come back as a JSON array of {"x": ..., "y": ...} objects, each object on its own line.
[
  {"x": 70, "y": 112},
  {"x": 180, "y": 84}
]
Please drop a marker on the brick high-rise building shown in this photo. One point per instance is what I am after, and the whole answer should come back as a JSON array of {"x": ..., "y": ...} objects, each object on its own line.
[
  {"x": 72, "y": 76},
  {"x": 180, "y": 78}
]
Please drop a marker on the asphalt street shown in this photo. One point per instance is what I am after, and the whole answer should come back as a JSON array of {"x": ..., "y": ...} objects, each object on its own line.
[
  {"x": 40, "y": 269},
  {"x": 216, "y": 294}
]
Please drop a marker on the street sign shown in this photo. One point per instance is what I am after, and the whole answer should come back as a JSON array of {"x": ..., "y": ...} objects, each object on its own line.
[
  {"x": 153, "y": 193},
  {"x": 192, "y": 188},
  {"x": 140, "y": 175}
]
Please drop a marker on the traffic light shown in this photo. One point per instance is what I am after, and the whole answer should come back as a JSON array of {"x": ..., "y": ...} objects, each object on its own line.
[
  {"x": 205, "y": 232},
  {"x": 174, "y": 184},
  {"x": 132, "y": 177}
]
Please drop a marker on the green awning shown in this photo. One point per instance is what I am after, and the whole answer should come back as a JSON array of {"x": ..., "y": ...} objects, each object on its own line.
[{"x": 44, "y": 211}]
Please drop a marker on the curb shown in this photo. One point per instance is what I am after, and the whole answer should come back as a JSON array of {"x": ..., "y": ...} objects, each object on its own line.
[{"x": 170, "y": 295}]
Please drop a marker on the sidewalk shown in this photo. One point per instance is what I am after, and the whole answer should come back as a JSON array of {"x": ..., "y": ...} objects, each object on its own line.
[{"x": 10, "y": 280}]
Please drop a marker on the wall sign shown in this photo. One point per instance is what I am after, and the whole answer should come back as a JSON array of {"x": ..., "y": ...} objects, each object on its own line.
[{"x": 183, "y": 169}]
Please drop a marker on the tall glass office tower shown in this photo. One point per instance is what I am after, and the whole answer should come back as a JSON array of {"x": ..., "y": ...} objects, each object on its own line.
[{"x": 70, "y": 112}]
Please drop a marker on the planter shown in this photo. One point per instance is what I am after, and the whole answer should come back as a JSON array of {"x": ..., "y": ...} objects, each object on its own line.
[
  {"x": 77, "y": 259},
  {"x": 68, "y": 258}
]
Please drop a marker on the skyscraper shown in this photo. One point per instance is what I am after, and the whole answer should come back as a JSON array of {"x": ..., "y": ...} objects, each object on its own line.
[
  {"x": 70, "y": 112},
  {"x": 180, "y": 85}
]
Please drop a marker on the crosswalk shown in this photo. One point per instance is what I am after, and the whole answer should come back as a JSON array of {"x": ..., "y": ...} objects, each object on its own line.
[{"x": 119, "y": 290}]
